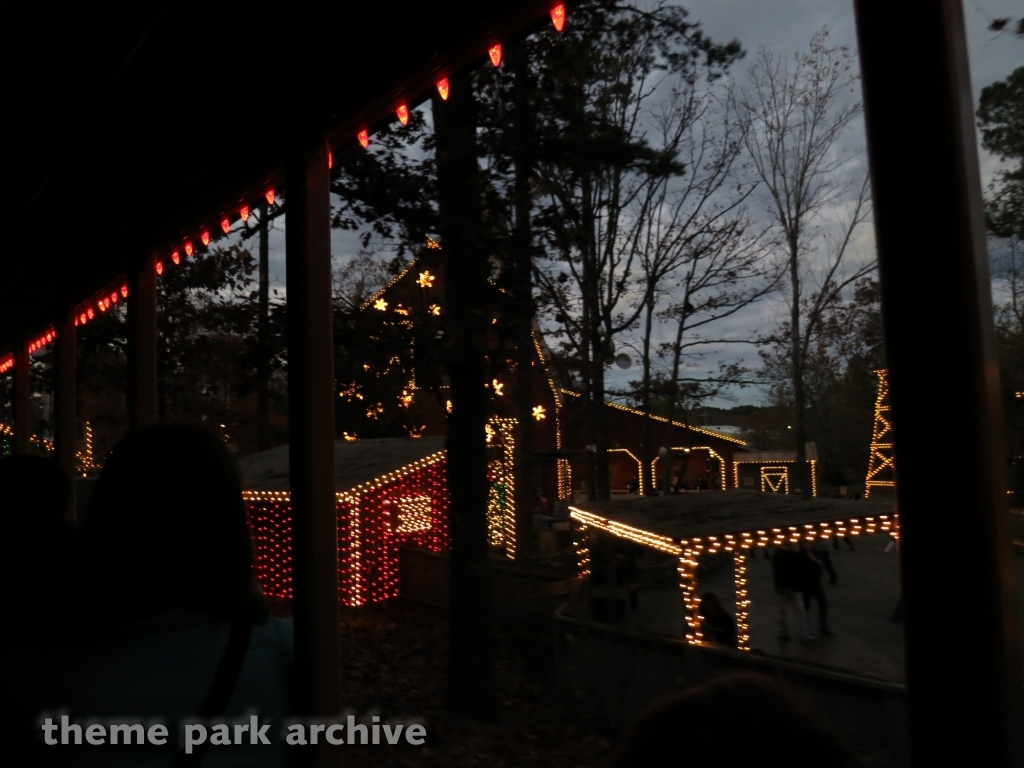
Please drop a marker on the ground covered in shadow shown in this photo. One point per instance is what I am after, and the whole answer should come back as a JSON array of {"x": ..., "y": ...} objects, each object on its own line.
[{"x": 395, "y": 658}]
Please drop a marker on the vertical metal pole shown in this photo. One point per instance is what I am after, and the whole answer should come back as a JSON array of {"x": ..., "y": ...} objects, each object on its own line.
[
  {"x": 142, "y": 392},
  {"x": 22, "y": 398},
  {"x": 311, "y": 435},
  {"x": 937, "y": 308},
  {"x": 65, "y": 395}
]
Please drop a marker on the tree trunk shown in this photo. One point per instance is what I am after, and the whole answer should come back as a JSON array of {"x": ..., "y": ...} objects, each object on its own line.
[
  {"x": 647, "y": 450},
  {"x": 522, "y": 296},
  {"x": 471, "y": 671},
  {"x": 801, "y": 476},
  {"x": 263, "y": 335}
]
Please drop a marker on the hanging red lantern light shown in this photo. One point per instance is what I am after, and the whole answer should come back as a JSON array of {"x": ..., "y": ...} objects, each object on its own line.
[
  {"x": 269, "y": 195},
  {"x": 403, "y": 114},
  {"x": 205, "y": 237},
  {"x": 442, "y": 88},
  {"x": 364, "y": 138},
  {"x": 176, "y": 257},
  {"x": 159, "y": 267},
  {"x": 558, "y": 16},
  {"x": 495, "y": 53},
  {"x": 225, "y": 224},
  {"x": 188, "y": 247},
  {"x": 244, "y": 213}
]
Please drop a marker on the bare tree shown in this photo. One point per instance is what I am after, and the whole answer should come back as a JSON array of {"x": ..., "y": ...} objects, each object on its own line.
[
  {"x": 796, "y": 113},
  {"x": 698, "y": 260},
  {"x": 597, "y": 171}
]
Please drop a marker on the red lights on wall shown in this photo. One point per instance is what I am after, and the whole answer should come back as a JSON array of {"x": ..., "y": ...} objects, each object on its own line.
[
  {"x": 373, "y": 524},
  {"x": 558, "y": 16},
  {"x": 6, "y": 363},
  {"x": 205, "y": 237},
  {"x": 176, "y": 257},
  {"x": 40, "y": 341},
  {"x": 159, "y": 267},
  {"x": 442, "y": 88},
  {"x": 124, "y": 290},
  {"x": 364, "y": 138},
  {"x": 244, "y": 213},
  {"x": 225, "y": 225},
  {"x": 495, "y": 53},
  {"x": 188, "y": 248},
  {"x": 269, "y": 196},
  {"x": 403, "y": 114}
]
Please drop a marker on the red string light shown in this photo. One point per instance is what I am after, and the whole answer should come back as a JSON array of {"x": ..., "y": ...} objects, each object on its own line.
[
  {"x": 159, "y": 267},
  {"x": 442, "y": 88},
  {"x": 244, "y": 213},
  {"x": 6, "y": 363},
  {"x": 225, "y": 224},
  {"x": 558, "y": 16},
  {"x": 124, "y": 290},
  {"x": 403, "y": 114},
  {"x": 330, "y": 160},
  {"x": 205, "y": 237},
  {"x": 364, "y": 138},
  {"x": 188, "y": 248},
  {"x": 269, "y": 195},
  {"x": 176, "y": 257},
  {"x": 407, "y": 506},
  {"x": 495, "y": 53}
]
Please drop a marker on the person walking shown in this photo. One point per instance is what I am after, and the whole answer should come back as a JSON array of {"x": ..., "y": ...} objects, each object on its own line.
[
  {"x": 786, "y": 578},
  {"x": 810, "y": 571}
]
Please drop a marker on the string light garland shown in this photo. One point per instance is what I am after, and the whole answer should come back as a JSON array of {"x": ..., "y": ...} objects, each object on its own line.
[
  {"x": 664, "y": 420},
  {"x": 442, "y": 88},
  {"x": 494, "y": 52},
  {"x": 363, "y": 137},
  {"x": 881, "y": 454},
  {"x": 6, "y": 362},
  {"x": 739, "y": 459},
  {"x": 501, "y": 496},
  {"x": 713, "y": 454},
  {"x": 737, "y": 543},
  {"x": 558, "y": 16},
  {"x": 403, "y": 114},
  {"x": 639, "y": 465},
  {"x": 775, "y": 479},
  {"x": 375, "y": 519}
]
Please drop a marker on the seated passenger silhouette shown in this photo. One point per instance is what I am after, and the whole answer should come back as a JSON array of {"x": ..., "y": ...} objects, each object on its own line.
[
  {"x": 37, "y": 564},
  {"x": 174, "y": 626},
  {"x": 716, "y": 723}
]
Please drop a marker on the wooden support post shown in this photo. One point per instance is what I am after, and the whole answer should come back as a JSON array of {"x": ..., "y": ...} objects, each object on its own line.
[
  {"x": 311, "y": 437},
  {"x": 22, "y": 396},
  {"x": 65, "y": 395},
  {"x": 930, "y": 235},
  {"x": 468, "y": 315},
  {"x": 142, "y": 392}
]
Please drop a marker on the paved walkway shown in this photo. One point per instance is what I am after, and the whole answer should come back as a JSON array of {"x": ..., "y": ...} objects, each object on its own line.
[{"x": 864, "y": 640}]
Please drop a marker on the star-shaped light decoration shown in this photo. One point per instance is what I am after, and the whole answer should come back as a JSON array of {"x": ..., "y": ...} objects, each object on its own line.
[
  {"x": 381, "y": 305},
  {"x": 426, "y": 280},
  {"x": 539, "y": 413},
  {"x": 498, "y": 387}
]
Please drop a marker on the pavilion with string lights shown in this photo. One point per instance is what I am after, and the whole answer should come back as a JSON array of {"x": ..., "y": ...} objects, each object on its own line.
[{"x": 136, "y": 135}]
